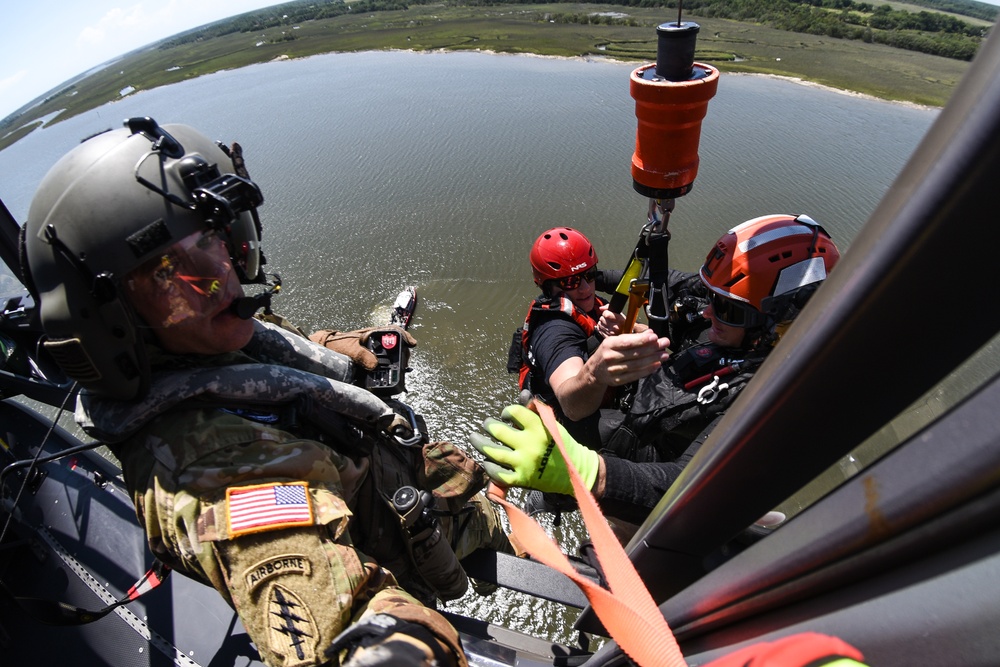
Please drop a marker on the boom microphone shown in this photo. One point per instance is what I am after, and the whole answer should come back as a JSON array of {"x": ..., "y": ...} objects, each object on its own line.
[{"x": 245, "y": 307}]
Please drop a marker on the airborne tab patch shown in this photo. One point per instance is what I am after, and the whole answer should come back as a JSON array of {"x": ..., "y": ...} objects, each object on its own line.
[
  {"x": 254, "y": 509},
  {"x": 272, "y": 567}
]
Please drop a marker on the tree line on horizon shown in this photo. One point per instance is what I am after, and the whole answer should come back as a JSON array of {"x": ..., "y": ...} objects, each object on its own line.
[{"x": 925, "y": 31}]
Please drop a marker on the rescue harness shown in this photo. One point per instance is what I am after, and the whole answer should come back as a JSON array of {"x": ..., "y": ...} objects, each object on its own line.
[{"x": 520, "y": 359}]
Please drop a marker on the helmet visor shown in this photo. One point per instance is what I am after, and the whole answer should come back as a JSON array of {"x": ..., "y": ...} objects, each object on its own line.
[
  {"x": 731, "y": 312},
  {"x": 190, "y": 280}
]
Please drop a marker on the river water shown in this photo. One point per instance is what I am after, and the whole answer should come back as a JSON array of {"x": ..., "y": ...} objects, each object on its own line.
[{"x": 439, "y": 170}]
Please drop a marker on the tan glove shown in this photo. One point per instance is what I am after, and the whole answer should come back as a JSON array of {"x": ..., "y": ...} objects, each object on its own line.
[{"x": 352, "y": 344}]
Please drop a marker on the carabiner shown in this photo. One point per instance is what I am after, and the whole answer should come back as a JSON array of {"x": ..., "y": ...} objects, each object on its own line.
[
  {"x": 711, "y": 391},
  {"x": 417, "y": 438}
]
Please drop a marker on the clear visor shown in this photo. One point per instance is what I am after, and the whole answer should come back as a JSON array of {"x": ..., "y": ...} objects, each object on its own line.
[{"x": 190, "y": 280}]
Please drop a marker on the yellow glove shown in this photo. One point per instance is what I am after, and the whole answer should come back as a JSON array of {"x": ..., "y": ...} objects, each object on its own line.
[{"x": 527, "y": 455}]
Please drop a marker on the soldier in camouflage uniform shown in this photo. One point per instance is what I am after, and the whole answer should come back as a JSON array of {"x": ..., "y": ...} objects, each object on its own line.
[{"x": 256, "y": 466}]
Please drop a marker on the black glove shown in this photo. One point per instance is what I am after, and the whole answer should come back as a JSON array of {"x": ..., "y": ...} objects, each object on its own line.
[{"x": 382, "y": 640}]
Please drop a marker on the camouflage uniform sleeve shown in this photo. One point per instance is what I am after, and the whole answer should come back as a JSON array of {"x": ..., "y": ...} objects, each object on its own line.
[{"x": 262, "y": 517}]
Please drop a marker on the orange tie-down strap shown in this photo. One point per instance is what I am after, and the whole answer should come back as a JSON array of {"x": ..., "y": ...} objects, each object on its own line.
[{"x": 627, "y": 610}]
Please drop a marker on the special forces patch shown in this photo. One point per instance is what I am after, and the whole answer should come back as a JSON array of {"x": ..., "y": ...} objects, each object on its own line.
[{"x": 292, "y": 630}]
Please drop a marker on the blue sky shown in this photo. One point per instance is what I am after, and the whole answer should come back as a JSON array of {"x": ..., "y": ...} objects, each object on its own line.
[{"x": 45, "y": 42}]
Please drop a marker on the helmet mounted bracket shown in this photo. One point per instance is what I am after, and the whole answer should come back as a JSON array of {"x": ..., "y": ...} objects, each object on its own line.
[{"x": 219, "y": 198}]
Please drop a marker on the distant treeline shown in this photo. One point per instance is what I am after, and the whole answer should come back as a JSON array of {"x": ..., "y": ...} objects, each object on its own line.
[
  {"x": 925, "y": 31},
  {"x": 976, "y": 10}
]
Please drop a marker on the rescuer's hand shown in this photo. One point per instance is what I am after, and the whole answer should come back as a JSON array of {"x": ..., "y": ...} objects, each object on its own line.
[
  {"x": 612, "y": 323},
  {"x": 806, "y": 649},
  {"x": 527, "y": 455}
]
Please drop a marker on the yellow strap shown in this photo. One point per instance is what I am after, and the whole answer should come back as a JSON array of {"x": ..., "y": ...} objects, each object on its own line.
[{"x": 632, "y": 272}]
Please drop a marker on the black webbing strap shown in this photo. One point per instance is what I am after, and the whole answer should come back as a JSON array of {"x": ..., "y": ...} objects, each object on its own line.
[{"x": 52, "y": 612}]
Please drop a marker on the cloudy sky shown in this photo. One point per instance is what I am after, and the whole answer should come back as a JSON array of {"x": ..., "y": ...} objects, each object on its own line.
[{"x": 45, "y": 42}]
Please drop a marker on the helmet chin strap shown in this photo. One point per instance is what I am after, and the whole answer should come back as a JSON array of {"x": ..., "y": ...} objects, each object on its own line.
[{"x": 246, "y": 306}]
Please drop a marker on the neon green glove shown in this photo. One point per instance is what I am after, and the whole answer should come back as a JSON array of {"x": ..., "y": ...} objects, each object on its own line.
[{"x": 527, "y": 455}]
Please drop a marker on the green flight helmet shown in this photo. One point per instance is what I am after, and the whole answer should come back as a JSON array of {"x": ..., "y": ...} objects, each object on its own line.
[{"x": 104, "y": 209}]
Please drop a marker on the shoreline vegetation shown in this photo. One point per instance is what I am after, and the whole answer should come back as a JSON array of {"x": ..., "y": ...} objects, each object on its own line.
[{"x": 571, "y": 30}]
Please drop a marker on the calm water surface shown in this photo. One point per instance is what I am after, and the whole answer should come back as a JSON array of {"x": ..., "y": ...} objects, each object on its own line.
[{"x": 439, "y": 170}]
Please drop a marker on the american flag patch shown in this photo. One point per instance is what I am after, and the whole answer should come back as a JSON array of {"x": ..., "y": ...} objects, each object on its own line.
[{"x": 252, "y": 509}]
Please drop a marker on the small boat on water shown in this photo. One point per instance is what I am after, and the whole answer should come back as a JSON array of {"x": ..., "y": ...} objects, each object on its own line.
[{"x": 402, "y": 309}]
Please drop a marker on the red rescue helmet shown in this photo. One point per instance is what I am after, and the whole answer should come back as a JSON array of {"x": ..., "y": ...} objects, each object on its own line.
[
  {"x": 761, "y": 267},
  {"x": 559, "y": 253}
]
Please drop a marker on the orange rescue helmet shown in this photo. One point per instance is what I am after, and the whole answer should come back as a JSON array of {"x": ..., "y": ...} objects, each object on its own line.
[{"x": 763, "y": 266}]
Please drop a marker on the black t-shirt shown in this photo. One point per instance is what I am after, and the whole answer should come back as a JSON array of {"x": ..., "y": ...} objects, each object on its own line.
[
  {"x": 554, "y": 341},
  {"x": 558, "y": 338}
]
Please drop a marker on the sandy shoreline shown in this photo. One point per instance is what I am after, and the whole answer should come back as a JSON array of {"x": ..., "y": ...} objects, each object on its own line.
[
  {"x": 792, "y": 79},
  {"x": 849, "y": 93}
]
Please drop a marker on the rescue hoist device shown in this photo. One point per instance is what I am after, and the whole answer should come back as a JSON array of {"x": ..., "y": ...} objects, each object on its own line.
[{"x": 671, "y": 99}]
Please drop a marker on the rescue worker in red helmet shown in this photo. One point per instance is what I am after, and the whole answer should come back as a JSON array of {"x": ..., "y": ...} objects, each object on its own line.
[
  {"x": 556, "y": 352},
  {"x": 759, "y": 276}
]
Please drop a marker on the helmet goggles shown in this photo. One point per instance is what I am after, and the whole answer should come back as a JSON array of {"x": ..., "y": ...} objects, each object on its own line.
[
  {"x": 732, "y": 312},
  {"x": 227, "y": 202},
  {"x": 572, "y": 282},
  {"x": 190, "y": 280}
]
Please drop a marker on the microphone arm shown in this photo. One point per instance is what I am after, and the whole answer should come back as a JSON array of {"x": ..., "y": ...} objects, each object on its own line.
[{"x": 246, "y": 306}]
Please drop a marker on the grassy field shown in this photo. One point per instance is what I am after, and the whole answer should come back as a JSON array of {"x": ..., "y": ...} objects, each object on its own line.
[{"x": 555, "y": 30}]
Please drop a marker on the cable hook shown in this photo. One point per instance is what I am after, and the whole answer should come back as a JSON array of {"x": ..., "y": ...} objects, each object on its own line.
[{"x": 711, "y": 391}]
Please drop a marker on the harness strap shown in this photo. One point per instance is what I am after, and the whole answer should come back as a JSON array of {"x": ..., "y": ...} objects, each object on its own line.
[
  {"x": 626, "y": 608},
  {"x": 542, "y": 307}
]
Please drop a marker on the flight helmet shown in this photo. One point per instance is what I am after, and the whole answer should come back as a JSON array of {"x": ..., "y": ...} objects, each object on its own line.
[
  {"x": 762, "y": 272},
  {"x": 559, "y": 253},
  {"x": 110, "y": 205}
]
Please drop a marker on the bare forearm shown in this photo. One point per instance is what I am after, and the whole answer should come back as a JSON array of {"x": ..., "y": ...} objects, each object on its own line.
[{"x": 580, "y": 395}]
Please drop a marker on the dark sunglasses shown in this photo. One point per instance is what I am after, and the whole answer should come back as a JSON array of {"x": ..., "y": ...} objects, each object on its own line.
[
  {"x": 572, "y": 282},
  {"x": 731, "y": 312}
]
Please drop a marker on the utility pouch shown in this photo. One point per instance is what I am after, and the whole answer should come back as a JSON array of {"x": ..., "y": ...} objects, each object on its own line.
[{"x": 451, "y": 473}]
